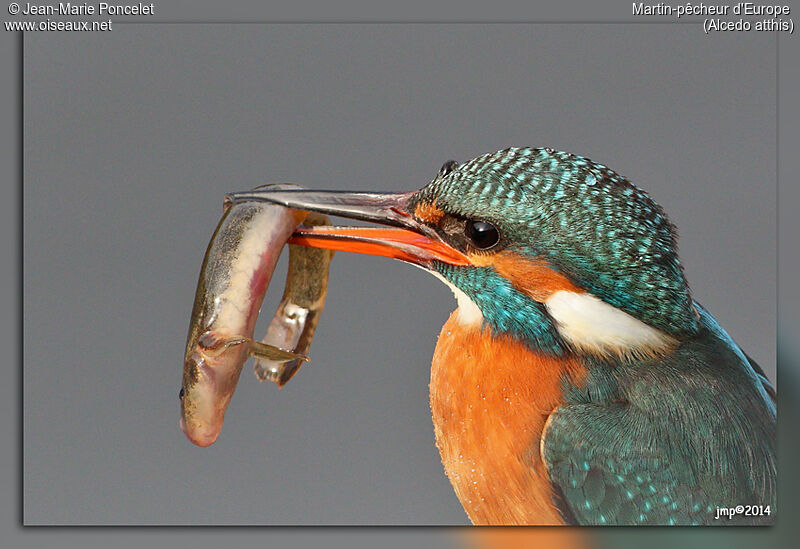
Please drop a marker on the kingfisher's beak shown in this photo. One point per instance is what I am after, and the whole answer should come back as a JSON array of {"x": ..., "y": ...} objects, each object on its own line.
[{"x": 408, "y": 239}]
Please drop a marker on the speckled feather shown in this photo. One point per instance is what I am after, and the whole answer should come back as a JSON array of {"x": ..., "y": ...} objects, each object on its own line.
[
  {"x": 666, "y": 441},
  {"x": 644, "y": 440},
  {"x": 586, "y": 220}
]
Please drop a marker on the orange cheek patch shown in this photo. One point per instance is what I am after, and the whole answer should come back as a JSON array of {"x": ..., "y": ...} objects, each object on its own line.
[
  {"x": 533, "y": 277},
  {"x": 428, "y": 213}
]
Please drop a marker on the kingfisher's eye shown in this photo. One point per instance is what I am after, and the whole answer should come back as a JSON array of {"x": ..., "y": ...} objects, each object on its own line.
[
  {"x": 482, "y": 234},
  {"x": 447, "y": 167},
  {"x": 180, "y": 395}
]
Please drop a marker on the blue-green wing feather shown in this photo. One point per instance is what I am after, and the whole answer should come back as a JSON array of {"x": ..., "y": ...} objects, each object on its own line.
[{"x": 666, "y": 441}]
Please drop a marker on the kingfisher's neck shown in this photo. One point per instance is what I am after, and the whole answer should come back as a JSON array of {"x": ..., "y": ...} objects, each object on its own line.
[
  {"x": 490, "y": 399},
  {"x": 504, "y": 307}
]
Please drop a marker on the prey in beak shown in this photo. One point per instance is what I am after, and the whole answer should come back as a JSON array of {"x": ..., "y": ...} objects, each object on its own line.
[{"x": 407, "y": 239}]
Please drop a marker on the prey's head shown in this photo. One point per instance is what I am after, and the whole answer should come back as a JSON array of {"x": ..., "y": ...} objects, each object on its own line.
[{"x": 544, "y": 246}]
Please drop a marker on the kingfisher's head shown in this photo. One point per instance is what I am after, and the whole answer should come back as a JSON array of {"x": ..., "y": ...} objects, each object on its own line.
[{"x": 545, "y": 246}]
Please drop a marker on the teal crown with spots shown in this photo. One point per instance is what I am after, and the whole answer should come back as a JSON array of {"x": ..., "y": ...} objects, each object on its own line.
[{"x": 589, "y": 223}]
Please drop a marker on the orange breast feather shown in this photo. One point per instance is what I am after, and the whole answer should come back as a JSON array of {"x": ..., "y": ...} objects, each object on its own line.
[{"x": 490, "y": 399}]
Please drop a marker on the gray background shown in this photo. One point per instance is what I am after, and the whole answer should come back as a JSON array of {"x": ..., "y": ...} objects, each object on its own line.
[{"x": 130, "y": 143}]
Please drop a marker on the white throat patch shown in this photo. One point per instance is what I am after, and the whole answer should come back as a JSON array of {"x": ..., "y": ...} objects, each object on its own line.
[
  {"x": 468, "y": 314},
  {"x": 593, "y": 326}
]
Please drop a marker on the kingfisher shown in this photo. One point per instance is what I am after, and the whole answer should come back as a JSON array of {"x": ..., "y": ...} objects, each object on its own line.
[{"x": 577, "y": 381}]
